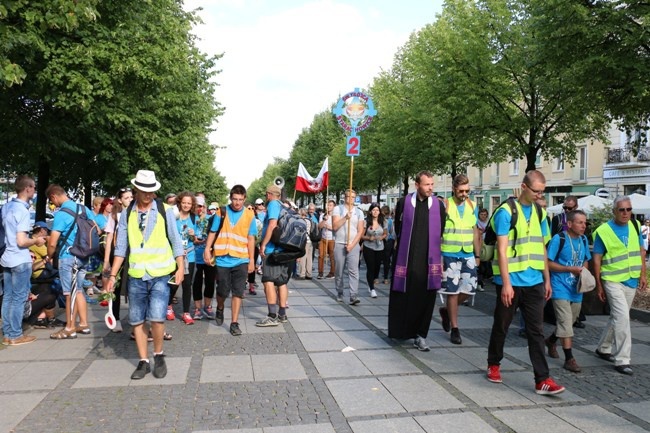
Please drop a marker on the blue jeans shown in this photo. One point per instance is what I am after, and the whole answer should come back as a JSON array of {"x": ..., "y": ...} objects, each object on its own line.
[
  {"x": 148, "y": 299},
  {"x": 16, "y": 291}
]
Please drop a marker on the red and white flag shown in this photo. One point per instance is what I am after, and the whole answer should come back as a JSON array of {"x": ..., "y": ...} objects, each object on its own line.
[{"x": 308, "y": 184}]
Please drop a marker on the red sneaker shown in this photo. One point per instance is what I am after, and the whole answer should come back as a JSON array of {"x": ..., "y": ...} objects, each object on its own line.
[
  {"x": 548, "y": 387},
  {"x": 494, "y": 373},
  {"x": 187, "y": 319},
  {"x": 170, "y": 313}
]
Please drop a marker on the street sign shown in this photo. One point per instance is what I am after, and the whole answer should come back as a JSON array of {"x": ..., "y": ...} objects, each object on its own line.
[{"x": 353, "y": 147}]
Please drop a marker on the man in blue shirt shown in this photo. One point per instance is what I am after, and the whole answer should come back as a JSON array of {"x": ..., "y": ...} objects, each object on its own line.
[
  {"x": 566, "y": 266},
  {"x": 64, "y": 227},
  {"x": 17, "y": 262}
]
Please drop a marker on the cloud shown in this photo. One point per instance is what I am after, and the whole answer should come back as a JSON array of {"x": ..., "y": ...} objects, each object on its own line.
[{"x": 282, "y": 66}]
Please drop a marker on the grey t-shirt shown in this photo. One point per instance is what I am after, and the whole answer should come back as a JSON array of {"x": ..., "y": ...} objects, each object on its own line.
[
  {"x": 377, "y": 244},
  {"x": 341, "y": 235}
]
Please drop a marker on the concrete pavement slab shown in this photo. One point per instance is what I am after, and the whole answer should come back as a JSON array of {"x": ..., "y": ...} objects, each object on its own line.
[
  {"x": 46, "y": 348},
  {"x": 309, "y": 324},
  {"x": 485, "y": 393},
  {"x": 545, "y": 421},
  {"x": 301, "y": 311},
  {"x": 524, "y": 383},
  {"x": 345, "y": 323},
  {"x": 363, "y": 340},
  {"x": 454, "y": 423},
  {"x": 331, "y": 310},
  {"x": 420, "y": 393},
  {"x": 38, "y": 375},
  {"x": 379, "y": 322},
  {"x": 390, "y": 425},
  {"x": 477, "y": 356},
  {"x": 16, "y": 406},
  {"x": 277, "y": 367},
  {"x": 443, "y": 361},
  {"x": 321, "y": 341},
  {"x": 386, "y": 362},
  {"x": 584, "y": 359},
  {"x": 595, "y": 419},
  {"x": 117, "y": 372},
  {"x": 639, "y": 409},
  {"x": 363, "y": 397},
  {"x": 233, "y": 368},
  {"x": 640, "y": 353},
  {"x": 339, "y": 364}
]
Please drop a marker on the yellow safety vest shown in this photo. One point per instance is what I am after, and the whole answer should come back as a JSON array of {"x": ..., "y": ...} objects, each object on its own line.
[
  {"x": 154, "y": 256},
  {"x": 233, "y": 241},
  {"x": 459, "y": 232},
  {"x": 620, "y": 262},
  {"x": 528, "y": 250}
]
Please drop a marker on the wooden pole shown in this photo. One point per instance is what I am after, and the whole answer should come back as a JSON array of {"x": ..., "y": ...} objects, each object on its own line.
[{"x": 347, "y": 241}]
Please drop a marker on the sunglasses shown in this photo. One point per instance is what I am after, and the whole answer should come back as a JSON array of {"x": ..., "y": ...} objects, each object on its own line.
[
  {"x": 125, "y": 189},
  {"x": 625, "y": 209},
  {"x": 569, "y": 208},
  {"x": 143, "y": 220}
]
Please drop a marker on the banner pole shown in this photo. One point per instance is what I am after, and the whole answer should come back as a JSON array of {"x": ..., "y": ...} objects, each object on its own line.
[{"x": 347, "y": 241}]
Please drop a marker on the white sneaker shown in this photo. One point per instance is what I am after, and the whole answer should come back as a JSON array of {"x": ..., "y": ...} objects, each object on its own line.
[
  {"x": 118, "y": 327},
  {"x": 373, "y": 294}
]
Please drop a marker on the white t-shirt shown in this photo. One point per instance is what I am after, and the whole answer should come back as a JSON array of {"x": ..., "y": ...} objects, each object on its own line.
[
  {"x": 341, "y": 235},
  {"x": 326, "y": 232}
]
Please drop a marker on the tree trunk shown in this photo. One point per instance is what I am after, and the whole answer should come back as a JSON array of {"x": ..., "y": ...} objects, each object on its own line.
[
  {"x": 379, "y": 193},
  {"x": 405, "y": 184},
  {"x": 43, "y": 177},
  {"x": 88, "y": 193},
  {"x": 531, "y": 157}
]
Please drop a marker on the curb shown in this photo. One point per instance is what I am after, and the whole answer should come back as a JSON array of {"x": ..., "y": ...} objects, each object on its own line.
[{"x": 640, "y": 315}]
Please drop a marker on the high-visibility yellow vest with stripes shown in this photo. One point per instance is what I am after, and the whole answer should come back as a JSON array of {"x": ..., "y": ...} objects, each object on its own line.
[
  {"x": 155, "y": 256},
  {"x": 459, "y": 232},
  {"x": 233, "y": 241},
  {"x": 620, "y": 262},
  {"x": 527, "y": 251}
]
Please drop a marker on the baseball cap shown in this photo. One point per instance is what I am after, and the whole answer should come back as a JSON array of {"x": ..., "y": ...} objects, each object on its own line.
[
  {"x": 41, "y": 224},
  {"x": 259, "y": 201}
]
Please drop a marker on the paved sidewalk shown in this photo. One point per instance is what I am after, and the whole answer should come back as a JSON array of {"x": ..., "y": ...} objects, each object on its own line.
[{"x": 331, "y": 368}]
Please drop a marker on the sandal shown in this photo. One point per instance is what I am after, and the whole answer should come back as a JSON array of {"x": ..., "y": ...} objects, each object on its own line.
[
  {"x": 85, "y": 330},
  {"x": 174, "y": 300},
  {"x": 63, "y": 334},
  {"x": 167, "y": 336}
]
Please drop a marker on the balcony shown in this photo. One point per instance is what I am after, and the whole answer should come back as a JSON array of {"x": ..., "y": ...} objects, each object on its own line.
[{"x": 624, "y": 157}]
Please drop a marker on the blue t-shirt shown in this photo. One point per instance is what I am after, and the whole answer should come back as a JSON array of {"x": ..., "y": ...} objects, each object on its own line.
[
  {"x": 184, "y": 226},
  {"x": 15, "y": 218},
  {"x": 461, "y": 253},
  {"x": 101, "y": 221},
  {"x": 272, "y": 213},
  {"x": 201, "y": 234},
  {"x": 529, "y": 276},
  {"x": 574, "y": 253},
  {"x": 62, "y": 223},
  {"x": 622, "y": 233},
  {"x": 229, "y": 261}
]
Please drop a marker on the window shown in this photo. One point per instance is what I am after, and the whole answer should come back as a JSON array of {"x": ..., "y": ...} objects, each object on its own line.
[
  {"x": 514, "y": 168},
  {"x": 495, "y": 202},
  {"x": 538, "y": 159},
  {"x": 480, "y": 177},
  {"x": 559, "y": 163},
  {"x": 582, "y": 163}
]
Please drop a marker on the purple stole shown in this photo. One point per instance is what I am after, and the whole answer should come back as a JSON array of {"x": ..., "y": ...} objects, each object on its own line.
[{"x": 434, "y": 268}]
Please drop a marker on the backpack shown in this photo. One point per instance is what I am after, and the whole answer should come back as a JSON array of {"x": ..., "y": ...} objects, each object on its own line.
[
  {"x": 314, "y": 232},
  {"x": 490, "y": 240},
  {"x": 563, "y": 241},
  {"x": 86, "y": 241},
  {"x": 290, "y": 234}
]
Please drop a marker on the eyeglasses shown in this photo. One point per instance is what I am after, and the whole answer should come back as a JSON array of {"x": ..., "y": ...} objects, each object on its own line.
[
  {"x": 535, "y": 191},
  {"x": 250, "y": 208},
  {"x": 462, "y": 191},
  {"x": 143, "y": 221},
  {"x": 625, "y": 209}
]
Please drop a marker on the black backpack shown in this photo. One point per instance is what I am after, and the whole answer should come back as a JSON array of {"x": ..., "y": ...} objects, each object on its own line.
[
  {"x": 314, "y": 232},
  {"x": 86, "y": 241},
  {"x": 290, "y": 234},
  {"x": 563, "y": 241},
  {"x": 490, "y": 239}
]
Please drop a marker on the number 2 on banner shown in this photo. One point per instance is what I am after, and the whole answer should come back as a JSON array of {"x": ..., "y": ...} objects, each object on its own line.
[{"x": 353, "y": 146}]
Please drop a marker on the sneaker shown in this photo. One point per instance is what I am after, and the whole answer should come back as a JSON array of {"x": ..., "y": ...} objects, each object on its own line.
[
  {"x": 219, "y": 317},
  {"x": 141, "y": 371},
  {"x": 187, "y": 319},
  {"x": 282, "y": 318},
  {"x": 198, "y": 315},
  {"x": 234, "y": 329},
  {"x": 455, "y": 336},
  {"x": 319, "y": 277},
  {"x": 40, "y": 324},
  {"x": 421, "y": 344},
  {"x": 118, "y": 327},
  {"x": 373, "y": 293},
  {"x": 339, "y": 298},
  {"x": 208, "y": 312},
  {"x": 552, "y": 350},
  {"x": 159, "y": 366},
  {"x": 329, "y": 276},
  {"x": 548, "y": 387},
  {"x": 354, "y": 301},
  {"x": 23, "y": 339},
  {"x": 494, "y": 373},
  {"x": 170, "y": 313},
  {"x": 444, "y": 316},
  {"x": 55, "y": 323},
  {"x": 624, "y": 369},
  {"x": 268, "y": 321},
  {"x": 480, "y": 287},
  {"x": 572, "y": 366},
  {"x": 251, "y": 289}
]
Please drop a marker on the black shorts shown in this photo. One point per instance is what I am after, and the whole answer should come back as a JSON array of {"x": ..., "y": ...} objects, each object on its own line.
[
  {"x": 275, "y": 273},
  {"x": 232, "y": 280}
]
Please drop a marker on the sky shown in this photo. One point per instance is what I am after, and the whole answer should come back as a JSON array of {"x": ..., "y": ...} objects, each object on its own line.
[{"x": 287, "y": 60}]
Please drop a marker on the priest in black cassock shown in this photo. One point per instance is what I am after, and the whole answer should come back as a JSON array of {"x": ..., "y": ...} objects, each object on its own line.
[{"x": 417, "y": 273}]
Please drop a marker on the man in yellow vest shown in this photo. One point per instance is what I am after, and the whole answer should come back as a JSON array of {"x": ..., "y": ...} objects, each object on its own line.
[
  {"x": 522, "y": 279},
  {"x": 234, "y": 249},
  {"x": 619, "y": 269},
  {"x": 155, "y": 251},
  {"x": 461, "y": 244}
]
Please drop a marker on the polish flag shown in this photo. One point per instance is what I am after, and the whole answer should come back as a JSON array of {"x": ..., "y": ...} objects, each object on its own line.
[{"x": 308, "y": 184}]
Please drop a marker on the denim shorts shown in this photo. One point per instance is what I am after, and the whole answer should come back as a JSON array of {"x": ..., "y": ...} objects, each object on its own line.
[
  {"x": 232, "y": 280},
  {"x": 148, "y": 299},
  {"x": 460, "y": 275},
  {"x": 66, "y": 266}
]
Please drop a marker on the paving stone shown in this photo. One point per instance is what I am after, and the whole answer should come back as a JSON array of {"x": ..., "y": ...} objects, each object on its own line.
[
  {"x": 301, "y": 311},
  {"x": 638, "y": 409},
  {"x": 37, "y": 375},
  {"x": 362, "y": 340},
  {"x": 331, "y": 310},
  {"x": 524, "y": 383},
  {"x": 16, "y": 406},
  {"x": 520, "y": 421},
  {"x": 420, "y": 393},
  {"x": 454, "y": 423},
  {"x": 309, "y": 324},
  {"x": 345, "y": 323},
  {"x": 485, "y": 393},
  {"x": 390, "y": 425},
  {"x": 318, "y": 300},
  {"x": 595, "y": 419},
  {"x": 477, "y": 356},
  {"x": 277, "y": 367},
  {"x": 117, "y": 372},
  {"x": 370, "y": 310},
  {"x": 305, "y": 428},
  {"x": 338, "y": 364},
  {"x": 386, "y": 362},
  {"x": 321, "y": 341},
  {"x": 363, "y": 397},
  {"x": 235, "y": 368}
]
